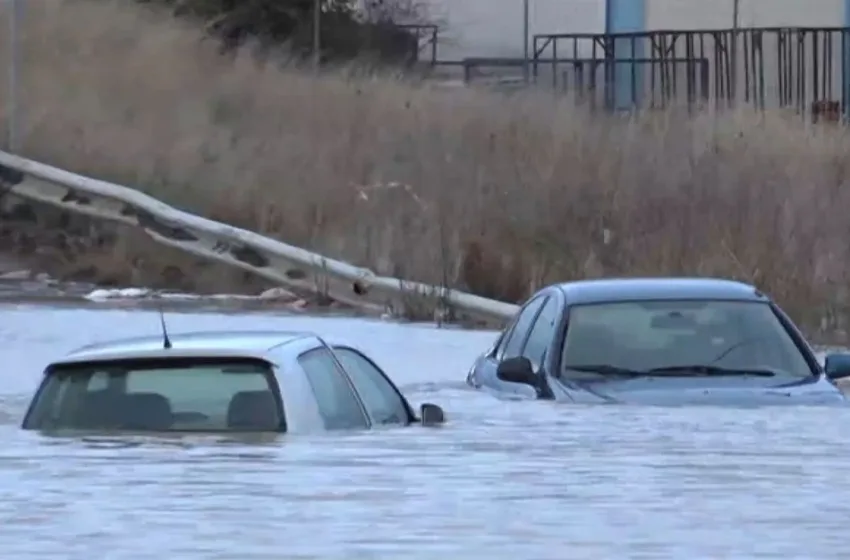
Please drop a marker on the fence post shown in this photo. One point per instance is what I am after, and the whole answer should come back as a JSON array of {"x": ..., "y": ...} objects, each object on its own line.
[{"x": 736, "y": 8}]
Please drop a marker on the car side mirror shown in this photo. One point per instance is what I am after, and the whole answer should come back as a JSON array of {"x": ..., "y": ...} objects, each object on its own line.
[
  {"x": 431, "y": 415},
  {"x": 837, "y": 366},
  {"x": 517, "y": 370}
]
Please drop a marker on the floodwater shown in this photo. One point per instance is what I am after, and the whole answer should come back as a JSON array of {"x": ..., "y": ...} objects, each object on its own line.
[{"x": 501, "y": 480}]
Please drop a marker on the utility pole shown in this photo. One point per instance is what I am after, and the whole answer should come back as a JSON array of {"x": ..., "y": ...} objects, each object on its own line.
[
  {"x": 12, "y": 77},
  {"x": 526, "y": 70},
  {"x": 736, "y": 10},
  {"x": 317, "y": 34}
]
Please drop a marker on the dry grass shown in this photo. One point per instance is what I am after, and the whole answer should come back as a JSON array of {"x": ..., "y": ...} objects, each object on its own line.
[{"x": 494, "y": 195}]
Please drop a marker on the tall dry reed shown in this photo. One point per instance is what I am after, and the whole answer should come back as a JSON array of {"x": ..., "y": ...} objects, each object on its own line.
[{"x": 493, "y": 194}]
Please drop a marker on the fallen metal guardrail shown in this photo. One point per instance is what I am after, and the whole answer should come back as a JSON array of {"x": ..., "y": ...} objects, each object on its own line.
[{"x": 273, "y": 260}]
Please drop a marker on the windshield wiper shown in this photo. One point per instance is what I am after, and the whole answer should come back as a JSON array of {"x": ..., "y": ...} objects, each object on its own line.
[
  {"x": 708, "y": 370},
  {"x": 686, "y": 370},
  {"x": 607, "y": 369}
]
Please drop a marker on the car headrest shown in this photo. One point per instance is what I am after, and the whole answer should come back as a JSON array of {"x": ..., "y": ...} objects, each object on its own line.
[
  {"x": 253, "y": 410},
  {"x": 146, "y": 411},
  {"x": 100, "y": 410}
]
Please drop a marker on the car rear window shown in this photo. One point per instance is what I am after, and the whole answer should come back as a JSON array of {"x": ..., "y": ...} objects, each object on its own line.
[{"x": 159, "y": 395}]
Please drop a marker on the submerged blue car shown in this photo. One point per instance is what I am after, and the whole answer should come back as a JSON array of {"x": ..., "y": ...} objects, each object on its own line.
[{"x": 665, "y": 341}]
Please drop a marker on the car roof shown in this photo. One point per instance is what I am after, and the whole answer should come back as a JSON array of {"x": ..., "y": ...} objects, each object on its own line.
[
  {"x": 671, "y": 288},
  {"x": 213, "y": 344}
]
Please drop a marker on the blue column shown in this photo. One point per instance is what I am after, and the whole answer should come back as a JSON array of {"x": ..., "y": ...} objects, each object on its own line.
[
  {"x": 626, "y": 16},
  {"x": 845, "y": 63}
]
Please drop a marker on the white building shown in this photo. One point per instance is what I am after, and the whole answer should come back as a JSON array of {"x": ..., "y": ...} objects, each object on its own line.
[
  {"x": 708, "y": 14},
  {"x": 494, "y": 28}
]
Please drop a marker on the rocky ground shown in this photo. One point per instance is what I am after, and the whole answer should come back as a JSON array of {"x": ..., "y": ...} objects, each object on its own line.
[{"x": 38, "y": 263}]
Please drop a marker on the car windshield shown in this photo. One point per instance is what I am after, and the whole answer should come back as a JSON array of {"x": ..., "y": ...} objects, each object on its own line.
[
  {"x": 722, "y": 336},
  {"x": 158, "y": 395}
]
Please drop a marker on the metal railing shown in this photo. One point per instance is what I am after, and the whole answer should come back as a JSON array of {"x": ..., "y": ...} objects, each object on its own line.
[{"x": 800, "y": 68}]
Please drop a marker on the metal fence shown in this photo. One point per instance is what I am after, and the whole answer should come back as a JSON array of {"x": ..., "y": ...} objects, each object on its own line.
[{"x": 806, "y": 69}]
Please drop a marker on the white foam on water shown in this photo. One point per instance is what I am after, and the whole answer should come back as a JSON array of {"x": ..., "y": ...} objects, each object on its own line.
[{"x": 132, "y": 294}]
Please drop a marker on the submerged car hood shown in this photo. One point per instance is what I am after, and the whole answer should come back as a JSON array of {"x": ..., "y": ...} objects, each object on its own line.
[{"x": 736, "y": 391}]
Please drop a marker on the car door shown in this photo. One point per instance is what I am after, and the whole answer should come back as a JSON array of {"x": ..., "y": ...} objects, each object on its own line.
[
  {"x": 383, "y": 401},
  {"x": 339, "y": 405},
  {"x": 540, "y": 340},
  {"x": 510, "y": 345}
]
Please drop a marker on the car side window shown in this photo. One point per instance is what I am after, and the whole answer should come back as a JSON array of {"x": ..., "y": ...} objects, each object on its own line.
[
  {"x": 541, "y": 334},
  {"x": 336, "y": 400},
  {"x": 382, "y": 400},
  {"x": 514, "y": 340}
]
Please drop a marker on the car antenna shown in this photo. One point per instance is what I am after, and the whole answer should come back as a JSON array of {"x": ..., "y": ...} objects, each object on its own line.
[{"x": 166, "y": 342}]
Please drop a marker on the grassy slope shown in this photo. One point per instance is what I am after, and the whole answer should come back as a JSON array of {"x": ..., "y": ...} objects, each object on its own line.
[{"x": 499, "y": 195}]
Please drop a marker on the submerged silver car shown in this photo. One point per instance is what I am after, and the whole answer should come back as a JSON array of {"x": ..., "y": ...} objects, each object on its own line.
[{"x": 290, "y": 382}]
